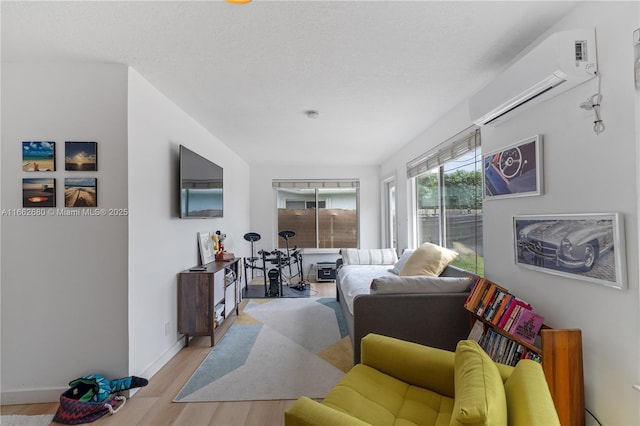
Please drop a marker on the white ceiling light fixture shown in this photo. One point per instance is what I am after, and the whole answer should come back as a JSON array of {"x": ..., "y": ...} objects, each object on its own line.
[{"x": 312, "y": 114}]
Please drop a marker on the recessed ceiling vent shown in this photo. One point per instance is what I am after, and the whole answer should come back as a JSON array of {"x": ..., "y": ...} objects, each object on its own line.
[{"x": 559, "y": 63}]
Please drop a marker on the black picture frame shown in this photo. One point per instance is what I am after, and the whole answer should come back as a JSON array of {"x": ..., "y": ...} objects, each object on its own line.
[
  {"x": 38, "y": 156},
  {"x": 81, "y": 192},
  {"x": 38, "y": 192},
  {"x": 81, "y": 156}
]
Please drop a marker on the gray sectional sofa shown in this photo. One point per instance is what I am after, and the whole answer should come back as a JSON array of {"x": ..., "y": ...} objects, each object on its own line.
[{"x": 435, "y": 319}]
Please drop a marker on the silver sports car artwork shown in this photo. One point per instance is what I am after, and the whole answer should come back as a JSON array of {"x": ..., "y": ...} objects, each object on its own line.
[{"x": 580, "y": 246}]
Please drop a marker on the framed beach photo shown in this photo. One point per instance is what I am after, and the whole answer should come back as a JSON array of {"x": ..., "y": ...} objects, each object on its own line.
[
  {"x": 39, "y": 192},
  {"x": 588, "y": 247},
  {"x": 38, "y": 156},
  {"x": 205, "y": 245},
  {"x": 81, "y": 156},
  {"x": 80, "y": 192},
  {"x": 514, "y": 171}
]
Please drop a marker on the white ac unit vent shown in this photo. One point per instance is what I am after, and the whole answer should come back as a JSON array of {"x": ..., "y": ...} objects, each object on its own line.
[{"x": 559, "y": 63}]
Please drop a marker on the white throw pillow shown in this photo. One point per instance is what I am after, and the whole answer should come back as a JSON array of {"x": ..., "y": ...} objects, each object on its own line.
[
  {"x": 386, "y": 256},
  {"x": 406, "y": 254},
  {"x": 428, "y": 259},
  {"x": 420, "y": 284}
]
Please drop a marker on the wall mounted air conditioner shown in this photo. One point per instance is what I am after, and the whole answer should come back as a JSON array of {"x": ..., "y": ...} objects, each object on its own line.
[{"x": 559, "y": 63}]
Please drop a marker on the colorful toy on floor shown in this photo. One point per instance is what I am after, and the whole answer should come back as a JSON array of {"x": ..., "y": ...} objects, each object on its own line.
[
  {"x": 91, "y": 397},
  {"x": 96, "y": 388}
]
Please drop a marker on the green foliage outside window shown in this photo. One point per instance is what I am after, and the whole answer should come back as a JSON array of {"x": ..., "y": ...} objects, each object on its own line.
[{"x": 453, "y": 211}]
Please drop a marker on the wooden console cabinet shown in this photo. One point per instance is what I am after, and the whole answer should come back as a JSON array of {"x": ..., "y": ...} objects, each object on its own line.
[{"x": 199, "y": 292}]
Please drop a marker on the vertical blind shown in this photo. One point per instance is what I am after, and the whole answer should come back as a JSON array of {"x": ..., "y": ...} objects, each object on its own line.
[{"x": 463, "y": 142}]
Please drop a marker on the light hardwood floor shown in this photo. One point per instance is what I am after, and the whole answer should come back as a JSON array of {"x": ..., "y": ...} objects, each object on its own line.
[{"x": 152, "y": 405}]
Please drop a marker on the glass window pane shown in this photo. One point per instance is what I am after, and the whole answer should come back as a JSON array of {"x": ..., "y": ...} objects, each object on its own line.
[
  {"x": 428, "y": 208},
  {"x": 463, "y": 210},
  {"x": 391, "y": 221},
  {"x": 337, "y": 218},
  {"x": 293, "y": 215},
  {"x": 333, "y": 224}
]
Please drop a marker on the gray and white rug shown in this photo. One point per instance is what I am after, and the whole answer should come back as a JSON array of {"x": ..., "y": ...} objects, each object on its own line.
[{"x": 276, "y": 349}]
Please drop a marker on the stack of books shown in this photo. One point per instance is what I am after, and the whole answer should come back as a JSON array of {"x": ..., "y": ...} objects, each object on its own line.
[{"x": 505, "y": 322}]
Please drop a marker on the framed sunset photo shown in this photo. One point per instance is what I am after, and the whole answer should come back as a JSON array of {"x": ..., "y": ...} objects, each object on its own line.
[{"x": 81, "y": 156}]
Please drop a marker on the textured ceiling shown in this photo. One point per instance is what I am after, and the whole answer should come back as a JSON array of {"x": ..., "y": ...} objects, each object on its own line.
[{"x": 379, "y": 72}]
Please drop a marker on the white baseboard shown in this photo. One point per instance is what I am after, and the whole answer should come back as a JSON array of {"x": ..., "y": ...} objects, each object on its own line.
[
  {"x": 150, "y": 371},
  {"x": 34, "y": 396},
  {"x": 31, "y": 396}
]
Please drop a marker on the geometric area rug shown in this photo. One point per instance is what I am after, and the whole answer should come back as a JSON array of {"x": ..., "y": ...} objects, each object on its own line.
[{"x": 276, "y": 349}]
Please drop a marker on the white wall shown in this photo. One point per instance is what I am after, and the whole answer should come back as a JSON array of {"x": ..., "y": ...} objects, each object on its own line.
[
  {"x": 263, "y": 219},
  {"x": 64, "y": 279},
  {"x": 583, "y": 173},
  {"x": 161, "y": 244},
  {"x": 92, "y": 294}
]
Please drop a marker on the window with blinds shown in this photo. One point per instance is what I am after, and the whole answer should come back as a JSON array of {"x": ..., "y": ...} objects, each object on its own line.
[
  {"x": 322, "y": 213},
  {"x": 447, "y": 184}
]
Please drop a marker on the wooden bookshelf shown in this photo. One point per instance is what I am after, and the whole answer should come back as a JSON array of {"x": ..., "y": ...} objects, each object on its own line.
[
  {"x": 561, "y": 357},
  {"x": 562, "y": 365}
]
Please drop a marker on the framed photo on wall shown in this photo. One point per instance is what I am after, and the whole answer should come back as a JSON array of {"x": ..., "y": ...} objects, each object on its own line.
[
  {"x": 39, "y": 192},
  {"x": 80, "y": 192},
  {"x": 38, "y": 156},
  {"x": 588, "y": 247},
  {"x": 514, "y": 171},
  {"x": 81, "y": 156}
]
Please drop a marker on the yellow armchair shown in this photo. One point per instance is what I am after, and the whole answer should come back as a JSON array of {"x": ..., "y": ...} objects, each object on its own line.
[{"x": 403, "y": 383}]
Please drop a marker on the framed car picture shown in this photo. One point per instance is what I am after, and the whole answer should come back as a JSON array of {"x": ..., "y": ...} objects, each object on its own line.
[
  {"x": 514, "y": 171},
  {"x": 588, "y": 247}
]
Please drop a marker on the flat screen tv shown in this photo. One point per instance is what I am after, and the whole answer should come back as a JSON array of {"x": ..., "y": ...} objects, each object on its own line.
[{"x": 200, "y": 186}]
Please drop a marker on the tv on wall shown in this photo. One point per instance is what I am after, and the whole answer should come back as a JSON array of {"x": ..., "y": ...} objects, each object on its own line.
[{"x": 201, "y": 183}]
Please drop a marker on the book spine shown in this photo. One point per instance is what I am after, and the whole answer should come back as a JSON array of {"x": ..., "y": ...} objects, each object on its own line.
[
  {"x": 482, "y": 291},
  {"x": 486, "y": 298},
  {"x": 466, "y": 302},
  {"x": 501, "y": 310},
  {"x": 476, "y": 331},
  {"x": 498, "y": 297},
  {"x": 490, "y": 304},
  {"x": 507, "y": 314},
  {"x": 474, "y": 295},
  {"x": 514, "y": 316}
]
